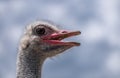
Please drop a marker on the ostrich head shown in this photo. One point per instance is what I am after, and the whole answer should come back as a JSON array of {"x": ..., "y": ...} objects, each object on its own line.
[
  {"x": 40, "y": 40},
  {"x": 46, "y": 38}
]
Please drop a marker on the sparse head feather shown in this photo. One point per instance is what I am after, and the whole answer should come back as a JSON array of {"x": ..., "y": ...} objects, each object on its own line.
[{"x": 45, "y": 23}]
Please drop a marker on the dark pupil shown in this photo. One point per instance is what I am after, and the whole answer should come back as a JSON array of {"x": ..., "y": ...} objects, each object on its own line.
[{"x": 40, "y": 31}]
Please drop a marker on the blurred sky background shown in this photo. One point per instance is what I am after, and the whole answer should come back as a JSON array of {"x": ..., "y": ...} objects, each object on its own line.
[{"x": 98, "y": 20}]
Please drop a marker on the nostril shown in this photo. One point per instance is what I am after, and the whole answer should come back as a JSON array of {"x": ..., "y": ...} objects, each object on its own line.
[{"x": 63, "y": 31}]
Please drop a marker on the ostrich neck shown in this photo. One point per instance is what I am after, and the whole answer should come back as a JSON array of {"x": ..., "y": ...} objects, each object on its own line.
[{"x": 29, "y": 64}]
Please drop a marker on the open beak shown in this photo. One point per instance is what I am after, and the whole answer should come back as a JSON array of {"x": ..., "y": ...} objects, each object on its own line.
[{"x": 55, "y": 38}]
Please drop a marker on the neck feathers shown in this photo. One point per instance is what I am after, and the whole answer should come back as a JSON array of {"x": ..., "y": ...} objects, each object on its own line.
[{"x": 29, "y": 64}]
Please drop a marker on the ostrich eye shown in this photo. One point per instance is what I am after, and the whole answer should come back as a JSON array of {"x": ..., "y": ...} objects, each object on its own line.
[{"x": 40, "y": 31}]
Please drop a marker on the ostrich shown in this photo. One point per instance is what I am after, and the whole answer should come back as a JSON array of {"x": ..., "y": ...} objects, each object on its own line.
[{"x": 41, "y": 40}]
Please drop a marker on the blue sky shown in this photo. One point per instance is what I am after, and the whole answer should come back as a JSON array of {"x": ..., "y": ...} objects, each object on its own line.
[{"x": 98, "y": 20}]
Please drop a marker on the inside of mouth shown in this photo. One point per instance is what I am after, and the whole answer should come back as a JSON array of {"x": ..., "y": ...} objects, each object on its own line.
[{"x": 58, "y": 39}]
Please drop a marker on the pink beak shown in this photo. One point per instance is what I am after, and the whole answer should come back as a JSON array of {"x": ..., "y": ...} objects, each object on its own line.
[{"x": 55, "y": 38}]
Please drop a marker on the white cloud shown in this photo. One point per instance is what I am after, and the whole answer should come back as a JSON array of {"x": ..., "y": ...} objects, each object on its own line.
[
  {"x": 10, "y": 75},
  {"x": 14, "y": 33},
  {"x": 114, "y": 39},
  {"x": 94, "y": 31},
  {"x": 55, "y": 11},
  {"x": 2, "y": 8},
  {"x": 17, "y": 6},
  {"x": 1, "y": 48},
  {"x": 108, "y": 11},
  {"x": 113, "y": 62}
]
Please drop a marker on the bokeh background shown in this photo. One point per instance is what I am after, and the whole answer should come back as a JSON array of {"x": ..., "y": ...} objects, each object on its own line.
[{"x": 98, "y": 20}]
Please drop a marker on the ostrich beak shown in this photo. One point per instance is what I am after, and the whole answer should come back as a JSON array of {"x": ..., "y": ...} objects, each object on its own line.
[{"x": 55, "y": 38}]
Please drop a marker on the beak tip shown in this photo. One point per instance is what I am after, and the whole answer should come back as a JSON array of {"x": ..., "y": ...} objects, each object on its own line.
[
  {"x": 78, "y": 44},
  {"x": 79, "y": 32}
]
